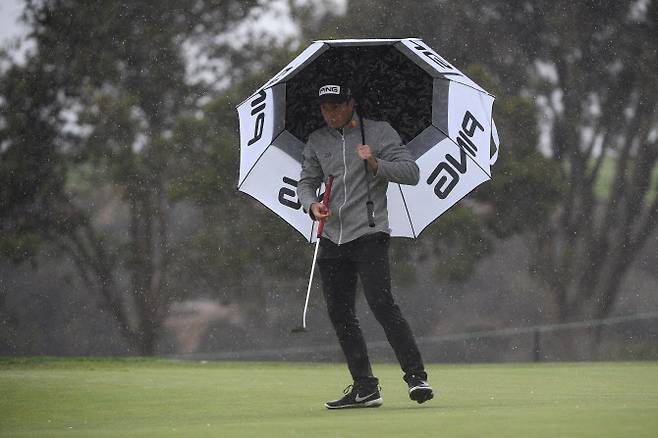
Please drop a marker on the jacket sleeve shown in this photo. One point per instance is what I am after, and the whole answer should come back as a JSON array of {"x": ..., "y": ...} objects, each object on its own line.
[
  {"x": 395, "y": 163},
  {"x": 310, "y": 178}
]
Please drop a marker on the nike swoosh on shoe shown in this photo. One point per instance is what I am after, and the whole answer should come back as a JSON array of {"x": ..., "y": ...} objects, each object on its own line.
[{"x": 360, "y": 399}]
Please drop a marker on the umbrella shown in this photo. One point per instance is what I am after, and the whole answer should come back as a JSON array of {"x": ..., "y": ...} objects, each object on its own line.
[{"x": 444, "y": 118}]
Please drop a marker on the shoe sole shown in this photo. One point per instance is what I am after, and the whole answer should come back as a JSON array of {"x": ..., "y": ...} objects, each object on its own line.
[
  {"x": 369, "y": 404},
  {"x": 421, "y": 394}
]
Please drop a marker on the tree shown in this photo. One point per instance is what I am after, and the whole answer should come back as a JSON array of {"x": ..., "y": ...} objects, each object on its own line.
[
  {"x": 241, "y": 247},
  {"x": 594, "y": 64},
  {"x": 91, "y": 109}
]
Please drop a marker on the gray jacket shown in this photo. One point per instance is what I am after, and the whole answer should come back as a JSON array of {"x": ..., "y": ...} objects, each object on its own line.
[{"x": 332, "y": 152}]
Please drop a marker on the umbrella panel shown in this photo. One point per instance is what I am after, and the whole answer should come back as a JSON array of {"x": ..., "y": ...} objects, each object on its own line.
[
  {"x": 387, "y": 85},
  {"x": 447, "y": 174}
]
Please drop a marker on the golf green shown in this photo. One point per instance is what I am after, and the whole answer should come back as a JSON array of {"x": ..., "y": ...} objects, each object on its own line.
[{"x": 43, "y": 397}]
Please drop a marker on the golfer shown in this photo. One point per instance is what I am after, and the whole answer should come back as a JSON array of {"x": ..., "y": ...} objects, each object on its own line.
[{"x": 352, "y": 245}]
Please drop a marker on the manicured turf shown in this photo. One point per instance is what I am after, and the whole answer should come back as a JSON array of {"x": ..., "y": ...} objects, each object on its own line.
[{"x": 160, "y": 398}]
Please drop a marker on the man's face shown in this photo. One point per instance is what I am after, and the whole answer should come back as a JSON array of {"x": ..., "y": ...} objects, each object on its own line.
[{"x": 337, "y": 115}]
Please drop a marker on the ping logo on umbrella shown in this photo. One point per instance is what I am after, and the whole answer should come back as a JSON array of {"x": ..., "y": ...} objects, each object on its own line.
[
  {"x": 435, "y": 58},
  {"x": 451, "y": 166},
  {"x": 469, "y": 125},
  {"x": 288, "y": 196},
  {"x": 258, "y": 107}
]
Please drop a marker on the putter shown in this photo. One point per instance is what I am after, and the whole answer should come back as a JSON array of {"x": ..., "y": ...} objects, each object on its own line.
[{"x": 325, "y": 202}]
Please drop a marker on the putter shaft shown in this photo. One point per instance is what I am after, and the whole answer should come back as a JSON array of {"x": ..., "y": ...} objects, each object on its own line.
[
  {"x": 325, "y": 202},
  {"x": 310, "y": 282}
]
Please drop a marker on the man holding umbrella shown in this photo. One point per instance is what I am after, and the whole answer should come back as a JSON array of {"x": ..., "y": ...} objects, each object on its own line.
[{"x": 356, "y": 235}]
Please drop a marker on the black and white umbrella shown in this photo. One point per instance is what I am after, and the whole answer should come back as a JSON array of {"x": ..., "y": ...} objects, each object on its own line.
[{"x": 444, "y": 118}]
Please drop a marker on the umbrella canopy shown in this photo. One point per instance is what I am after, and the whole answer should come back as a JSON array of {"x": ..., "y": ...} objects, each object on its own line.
[{"x": 444, "y": 118}]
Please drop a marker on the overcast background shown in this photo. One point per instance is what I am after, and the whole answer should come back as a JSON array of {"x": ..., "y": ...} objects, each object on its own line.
[
  {"x": 118, "y": 155},
  {"x": 10, "y": 11}
]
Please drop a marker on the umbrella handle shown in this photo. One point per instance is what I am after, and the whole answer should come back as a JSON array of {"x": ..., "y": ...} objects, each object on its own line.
[
  {"x": 496, "y": 140},
  {"x": 370, "y": 207},
  {"x": 325, "y": 200}
]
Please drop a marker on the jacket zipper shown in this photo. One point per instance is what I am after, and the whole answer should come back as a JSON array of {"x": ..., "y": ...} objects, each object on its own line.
[{"x": 340, "y": 209}]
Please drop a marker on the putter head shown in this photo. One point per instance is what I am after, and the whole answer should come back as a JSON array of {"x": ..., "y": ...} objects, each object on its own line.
[{"x": 298, "y": 330}]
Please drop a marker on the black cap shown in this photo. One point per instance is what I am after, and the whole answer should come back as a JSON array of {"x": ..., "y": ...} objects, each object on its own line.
[{"x": 334, "y": 91}]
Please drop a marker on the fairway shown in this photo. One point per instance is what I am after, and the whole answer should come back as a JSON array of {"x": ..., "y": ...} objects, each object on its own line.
[{"x": 162, "y": 398}]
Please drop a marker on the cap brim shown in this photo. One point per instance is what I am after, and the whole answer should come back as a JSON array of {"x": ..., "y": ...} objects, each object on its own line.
[{"x": 333, "y": 98}]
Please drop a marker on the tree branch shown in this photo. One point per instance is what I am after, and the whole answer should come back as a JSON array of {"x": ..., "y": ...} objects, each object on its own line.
[{"x": 646, "y": 223}]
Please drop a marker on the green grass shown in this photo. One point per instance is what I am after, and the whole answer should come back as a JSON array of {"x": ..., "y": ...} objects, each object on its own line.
[{"x": 160, "y": 398}]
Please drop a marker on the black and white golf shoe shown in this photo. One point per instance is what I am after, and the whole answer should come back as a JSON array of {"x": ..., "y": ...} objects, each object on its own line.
[
  {"x": 419, "y": 390},
  {"x": 357, "y": 397}
]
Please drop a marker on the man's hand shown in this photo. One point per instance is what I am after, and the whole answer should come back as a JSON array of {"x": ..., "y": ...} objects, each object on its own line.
[
  {"x": 364, "y": 151},
  {"x": 320, "y": 212}
]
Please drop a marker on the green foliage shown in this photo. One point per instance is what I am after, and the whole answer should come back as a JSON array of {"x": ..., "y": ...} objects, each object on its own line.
[
  {"x": 458, "y": 243},
  {"x": 32, "y": 173},
  {"x": 19, "y": 247},
  {"x": 240, "y": 246},
  {"x": 526, "y": 186},
  {"x": 88, "y": 160}
]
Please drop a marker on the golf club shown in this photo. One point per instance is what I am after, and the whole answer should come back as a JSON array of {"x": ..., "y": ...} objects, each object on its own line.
[{"x": 325, "y": 202}]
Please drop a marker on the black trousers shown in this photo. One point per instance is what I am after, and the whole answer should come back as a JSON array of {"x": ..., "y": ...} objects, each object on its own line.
[{"x": 366, "y": 258}]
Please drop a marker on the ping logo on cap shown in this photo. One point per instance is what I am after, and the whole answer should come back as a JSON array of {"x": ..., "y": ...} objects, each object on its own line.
[{"x": 329, "y": 89}]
